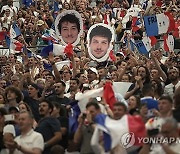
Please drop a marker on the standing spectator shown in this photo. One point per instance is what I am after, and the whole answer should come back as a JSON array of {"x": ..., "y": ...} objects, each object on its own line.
[
  {"x": 59, "y": 94},
  {"x": 13, "y": 10},
  {"x": 173, "y": 75},
  {"x": 85, "y": 131},
  {"x": 143, "y": 77},
  {"x": 32, "y": 99},
  {"x": 93, "y": 77},
  {"x": 74, "y": 88},
  {"x": 6, "y": 20},
  {"x": 119, "y": 110},
  {"x": 13, "y": 96}
]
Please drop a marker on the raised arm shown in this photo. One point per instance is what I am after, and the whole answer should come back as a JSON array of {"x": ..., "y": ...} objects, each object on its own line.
[{"x": 156, "y": 62}]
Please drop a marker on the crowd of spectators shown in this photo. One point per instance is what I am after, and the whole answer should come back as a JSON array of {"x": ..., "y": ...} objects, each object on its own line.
[{"x": 36, "y": 98}]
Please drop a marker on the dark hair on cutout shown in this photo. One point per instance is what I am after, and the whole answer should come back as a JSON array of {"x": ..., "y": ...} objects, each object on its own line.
[
  {"x": 69, "y": 18},
  {"x": 101, "y": 31}
]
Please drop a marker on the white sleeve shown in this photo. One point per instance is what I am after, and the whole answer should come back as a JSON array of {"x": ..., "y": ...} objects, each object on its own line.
[
  {"x": 38, "y": 142},
  {"x": 2, "y": 9}
]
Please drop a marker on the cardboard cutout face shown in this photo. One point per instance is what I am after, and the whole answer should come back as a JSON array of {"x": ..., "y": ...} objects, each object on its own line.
[
  {"x": 100, "y": 38},
  {"x": 69, "y": 27}
]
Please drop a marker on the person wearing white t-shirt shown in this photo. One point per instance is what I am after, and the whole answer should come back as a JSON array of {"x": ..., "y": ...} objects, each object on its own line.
[
  {"x": 6, "y": 19},
  {"x": 173, "y": 75},
  {"x": 10, "y": 7},
  {"x": 29, "y": 141}
]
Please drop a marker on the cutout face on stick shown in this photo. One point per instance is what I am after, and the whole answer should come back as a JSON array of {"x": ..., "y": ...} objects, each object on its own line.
[
  {"x": 100, "y": 38},
  {"x": 69, "y": 27}
]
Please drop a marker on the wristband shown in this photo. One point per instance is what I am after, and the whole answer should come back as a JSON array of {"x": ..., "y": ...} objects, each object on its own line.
[{"x": 45, "y": 145}]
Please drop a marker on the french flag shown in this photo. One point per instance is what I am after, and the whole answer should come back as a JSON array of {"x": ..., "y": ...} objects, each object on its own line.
[
  {"x": 124, "y": 132},
  {"x": 14, "y": 31},
  {"x": 112, "y": 56},
  {"x": 159, "y": 24},
  {"x": 57, "y": 50},
  {"x": 14, "y": 45},
  {"x": 168, "y": 43},
  {"x": 145, "y": 45},
  {"x": 136, "y": 24},
  {"x": 107, "y": 19},
  {"x": 53, "y": 35},
  {"x": 47, "y": 37},
  {"x": 83, "y": 98},
  {"x": 106, "y": 92}
]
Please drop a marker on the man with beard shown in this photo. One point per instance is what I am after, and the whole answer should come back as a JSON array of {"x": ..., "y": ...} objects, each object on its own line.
[
  {"x": 48, "y": 126},
  {"x": 59, "y": 94},
  {"x": 173, "y": 75},
  {"x": 74, "y": 88}
]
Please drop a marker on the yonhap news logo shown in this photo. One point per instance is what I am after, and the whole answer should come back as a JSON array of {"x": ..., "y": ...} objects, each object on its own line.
[{"x": 128, "y": 140}]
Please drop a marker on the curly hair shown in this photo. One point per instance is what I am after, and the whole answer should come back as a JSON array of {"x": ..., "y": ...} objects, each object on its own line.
[{"x": 15, "y": 90}]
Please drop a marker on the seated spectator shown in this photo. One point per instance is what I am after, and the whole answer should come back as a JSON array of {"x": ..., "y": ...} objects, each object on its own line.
[
  {"x": 48, "y": 126},
  {"x": 29, "y": 141}
]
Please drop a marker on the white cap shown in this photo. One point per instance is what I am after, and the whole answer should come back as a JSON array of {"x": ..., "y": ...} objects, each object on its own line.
[
  {"x": 9, "y": 129},
  {"x": 93, "y": 70}
]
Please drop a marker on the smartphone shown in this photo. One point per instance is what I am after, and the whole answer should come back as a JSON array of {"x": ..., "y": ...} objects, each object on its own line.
[
  {"x": 9, "y": 117},
  {"x": 84, "y": 116}
]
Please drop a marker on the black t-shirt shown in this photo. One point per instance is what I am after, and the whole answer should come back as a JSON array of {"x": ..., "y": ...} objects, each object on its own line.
[
  {"x": 64, "y": 123},
  {"x": 47, "y": 127},
  {"x": 62, "y": 101},
  {"x": 137, "y": 92}
]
